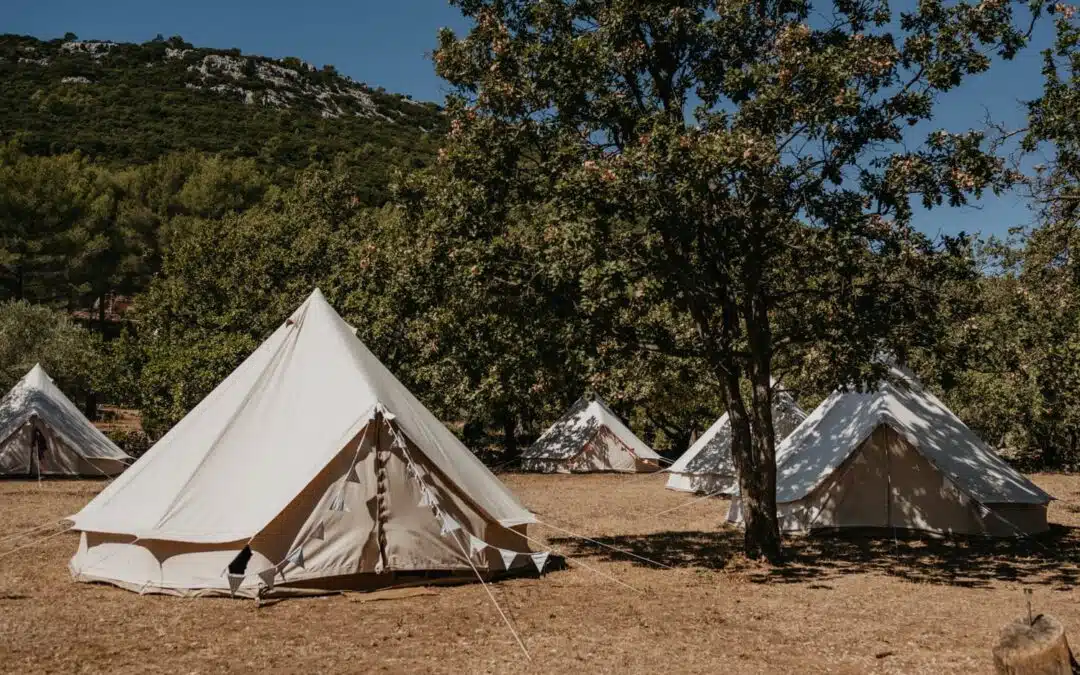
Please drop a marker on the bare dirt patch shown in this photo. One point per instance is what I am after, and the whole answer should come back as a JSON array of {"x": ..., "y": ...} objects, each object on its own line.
[{"x": 838, "y": 606}]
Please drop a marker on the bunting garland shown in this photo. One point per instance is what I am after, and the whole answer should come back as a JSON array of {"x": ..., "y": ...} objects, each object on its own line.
[
  {"x": 450, "y": 526},
  {"x": 476, "y": 545},
  {"x": 296, "y": 557},
  {"x": 508, "y": 558},
  {"x": 268, "y": 576},
  {"x": 234, "y": 582},
  {"x": 540, "y": 559}
]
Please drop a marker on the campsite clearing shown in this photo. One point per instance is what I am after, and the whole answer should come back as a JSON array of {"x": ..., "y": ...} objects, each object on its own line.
[{"x": 841, "y": 606}]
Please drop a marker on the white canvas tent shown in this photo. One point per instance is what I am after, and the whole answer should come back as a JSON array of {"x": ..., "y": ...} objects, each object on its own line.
[
  {"x": 42, "y": 434},
  {"x": 897, "y": 458},
  {"x": 589, "y": 437},
  {"x": 707, "y": 466},
  {"x": 310, "y": 466}
]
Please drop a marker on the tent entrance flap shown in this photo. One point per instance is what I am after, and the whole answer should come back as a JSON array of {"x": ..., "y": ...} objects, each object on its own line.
[{"x": 888, "y": 485}]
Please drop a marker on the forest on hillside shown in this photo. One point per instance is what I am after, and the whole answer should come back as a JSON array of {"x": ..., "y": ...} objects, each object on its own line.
[
  {"x": 671, "y": 210},
  {"x": 127, "y": 104}
]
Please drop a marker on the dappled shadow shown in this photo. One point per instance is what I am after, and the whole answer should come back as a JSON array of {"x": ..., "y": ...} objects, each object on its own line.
[
  {"x": 846, "y": 419},
  {"x": 708, "y": 550},
  {"x": 711, "y": 454},
  {"x": 1051, "y": 559},
  {"x": 567, "y": 436}
]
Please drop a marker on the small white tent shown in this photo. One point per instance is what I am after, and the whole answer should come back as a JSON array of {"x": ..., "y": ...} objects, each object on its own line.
[
  {"x": 897, "y": 458},
  {"x": 42, "y": 433},
  {"x": 707, "y": 466},
  {"x": 310, "y": 466},
  {"x": 589, "y": 438}
]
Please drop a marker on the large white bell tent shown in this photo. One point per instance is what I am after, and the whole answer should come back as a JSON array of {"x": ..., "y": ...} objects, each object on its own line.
[
  {"x": 589, "y": 437},
  {"x": 310, "y": 467},
  {"x": 43, "y": 434},
  {"x": 898, "y": 459},
  {"x": 707, "y": 467}
]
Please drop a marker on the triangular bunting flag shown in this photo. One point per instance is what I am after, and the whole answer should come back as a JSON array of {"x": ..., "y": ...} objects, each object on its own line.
[
  {"x": 318, "y": 532},
  {"x": 268, "y": 576},
  {"x": 449, "y": 524},
  {"x": 508, "y": 558},
  {"x": 427, "y": 497},
  {"x": 540, "y": 559},
  {"x": 476, "y": 545},
  {"x": 234, "y": 582},
  {"x": 354, "y": 474},
  {"x": 297, "y": 557}
]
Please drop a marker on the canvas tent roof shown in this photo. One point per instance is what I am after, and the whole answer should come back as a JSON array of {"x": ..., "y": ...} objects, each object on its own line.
[
  {"x": 569, "y": 435},
  {"x": 36, "y": 394},
  {"x": 253, "y": 444},
  {"x": 712, "y": 452},
  {"x": 836, "y": 428}
]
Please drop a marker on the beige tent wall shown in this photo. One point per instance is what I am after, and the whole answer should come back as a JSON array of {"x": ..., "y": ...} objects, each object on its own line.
[
  {"x": 703, "y": 483},
  {"x": 888, "y": 484},
  {"x": 1011, "y": 520},
  {"x": 604, "y": 452},
  {"x": 17, "y": 457},
  {"x": 372, "y": 527}
]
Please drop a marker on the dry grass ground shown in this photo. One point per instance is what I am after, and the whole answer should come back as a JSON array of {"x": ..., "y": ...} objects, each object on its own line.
[{"x": 838, "y": 607}]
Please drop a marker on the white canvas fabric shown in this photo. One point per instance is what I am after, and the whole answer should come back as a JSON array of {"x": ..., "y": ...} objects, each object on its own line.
[
  {"x": 589, "y": 437},
  {"x": 311, "y": 449},
  {"x": 897, "y": 457},
  {"x": 707, "y": 467},
  {"x": 42, "y": 433}
]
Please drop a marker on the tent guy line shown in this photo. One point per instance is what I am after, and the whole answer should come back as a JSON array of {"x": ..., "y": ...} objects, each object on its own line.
[
  {"x": 599, "y": 543},
  {"x": 42, "y": 540},
  {"x": 493, "y": 600},
  {"x": 577, "y": 561}
]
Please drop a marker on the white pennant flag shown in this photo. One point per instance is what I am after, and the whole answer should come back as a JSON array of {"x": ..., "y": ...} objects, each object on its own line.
[
  {"x": 318, "y": 532},
  {"x": 449, "y": 524},
  {"x": 297, "y": 557},
  {"x": 540, "y": 559},
  {"x": 234, "y": 583},
  {"x": 268, "y": 576},
  {"x": 476, "y": 545},
  {"x": 508, "y": 558},
  {"x": 427, "y": 497}
]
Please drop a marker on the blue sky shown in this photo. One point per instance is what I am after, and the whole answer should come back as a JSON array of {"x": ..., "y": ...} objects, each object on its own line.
[{"x": 386, "y": 43}]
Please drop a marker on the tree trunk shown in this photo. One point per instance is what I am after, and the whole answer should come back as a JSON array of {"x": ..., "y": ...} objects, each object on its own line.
[
  {"x": 510, "y": 444},
  {"x": 1037, "y": 648},
  {"x": 101, "y": 314},
  {"x": 766, "y": 528},
  {"x": 91, "y": 406}
]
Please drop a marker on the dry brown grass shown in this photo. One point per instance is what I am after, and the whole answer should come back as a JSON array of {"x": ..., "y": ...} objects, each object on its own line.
[{"x": 838, "y": 607}]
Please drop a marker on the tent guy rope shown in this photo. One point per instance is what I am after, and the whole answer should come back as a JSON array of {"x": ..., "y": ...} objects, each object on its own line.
[
  {"x": 493, "y": 600},
  {"x": 600, "y": 543}
]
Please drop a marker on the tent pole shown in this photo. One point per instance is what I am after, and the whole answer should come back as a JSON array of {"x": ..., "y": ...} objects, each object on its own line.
[{"x": 889, "y": 434}]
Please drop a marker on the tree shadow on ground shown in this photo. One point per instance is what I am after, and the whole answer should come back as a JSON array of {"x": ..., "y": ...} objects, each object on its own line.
[{"x": 1051, "y": 559}]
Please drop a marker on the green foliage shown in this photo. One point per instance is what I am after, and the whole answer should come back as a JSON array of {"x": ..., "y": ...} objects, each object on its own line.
[
  {"x": 32, "y": 334},
  {"x": 132, "y": 104},
  {"x": 721, "y": 182},
  {"x": 225, "y": 284}
]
